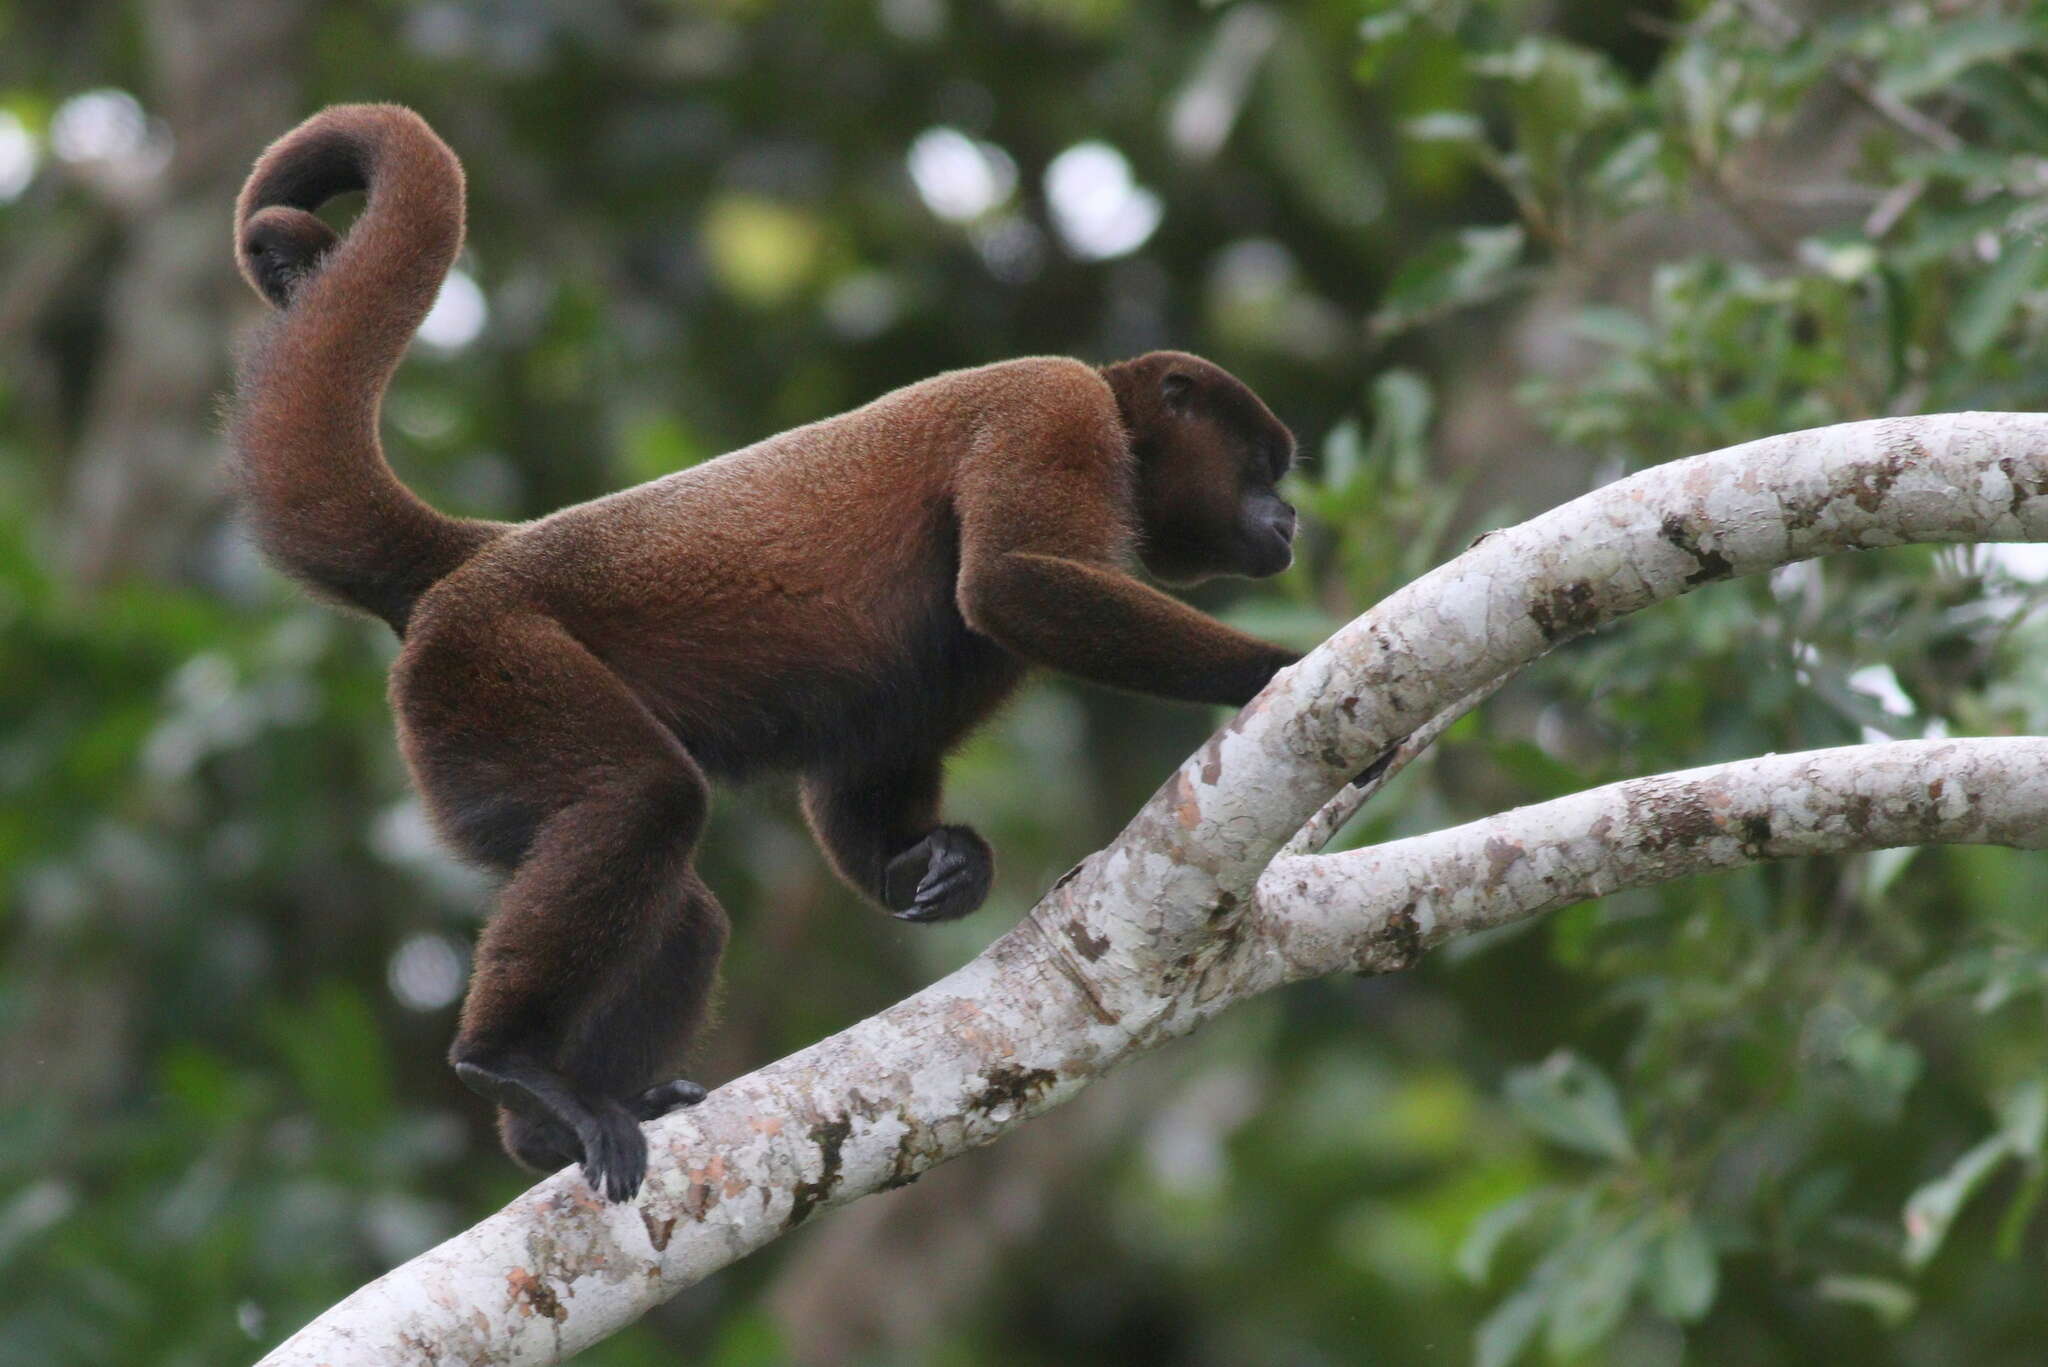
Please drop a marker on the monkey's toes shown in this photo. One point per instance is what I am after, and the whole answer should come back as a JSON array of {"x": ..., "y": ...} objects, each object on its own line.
[
  {"x": 663, "y": 1097},
  {"x": 615, "y": 1157}
]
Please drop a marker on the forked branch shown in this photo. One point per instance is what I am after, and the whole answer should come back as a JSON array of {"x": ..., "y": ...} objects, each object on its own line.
[{"x": 1188, "y": 912}]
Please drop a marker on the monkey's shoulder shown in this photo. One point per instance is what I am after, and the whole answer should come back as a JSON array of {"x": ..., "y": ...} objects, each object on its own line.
[{"x": 1025, "y": 396}]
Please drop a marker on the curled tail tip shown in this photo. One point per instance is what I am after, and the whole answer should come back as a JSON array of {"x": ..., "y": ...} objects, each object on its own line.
[
  {"x": 279, "y": 247},
  {"x": 279, "y": 242}
]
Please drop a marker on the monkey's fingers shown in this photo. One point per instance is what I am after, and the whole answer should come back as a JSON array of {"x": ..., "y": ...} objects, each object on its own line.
[
  {"x": 905, "y": 874},
  {"x": 615, "y": 1156},
  {"x": 956, "y": 877}
]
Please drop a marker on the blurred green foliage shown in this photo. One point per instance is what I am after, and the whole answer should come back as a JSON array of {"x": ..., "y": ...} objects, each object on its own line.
[{"x": 1482, "y": 254}]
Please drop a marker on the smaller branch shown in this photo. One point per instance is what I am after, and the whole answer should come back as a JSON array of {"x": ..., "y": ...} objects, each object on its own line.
[
  {"x": 1322, "y": 828},
  {"x": 1894, "y": 206},
  {"x": 1379, "y": 909}
]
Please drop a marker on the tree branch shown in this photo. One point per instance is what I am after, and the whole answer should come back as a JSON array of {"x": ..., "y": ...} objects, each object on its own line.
[
  {"x": 1171, "y": 923},
  {"x": 1377, "y": 910},
  {"x": 1322, "y": 828}
]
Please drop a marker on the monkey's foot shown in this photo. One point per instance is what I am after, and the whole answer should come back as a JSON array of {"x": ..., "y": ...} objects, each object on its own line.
[
  {"x": 941, "y": 877},
  {"x": 614, "y": 1150},
  {"x": 663, "y": 1097}
]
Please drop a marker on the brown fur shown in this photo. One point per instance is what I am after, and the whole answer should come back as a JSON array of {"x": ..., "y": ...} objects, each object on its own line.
[{"x": 843, "y": 601}]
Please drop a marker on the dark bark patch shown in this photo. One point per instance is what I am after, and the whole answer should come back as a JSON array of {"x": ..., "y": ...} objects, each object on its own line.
[
  {"x": 1858, "y": 809},
  {"x": 1712, "y": 564},
  {"x": 830, "y": 1137},
  {"x": 532, "y": 1296},
  {"x": 658, "y": 1231},
  {"x": 1402, "y": 940},
  {"x": 1010, "y": 1087},
  {"x": 1089, "y": 947},
  {"x": 1801, "y": 513},
  {"x": 1756, "y": 833},
  {"x": 1564, "y": 611},
  {"x": 904, "y": 1164},
  {"x": 1873, "y": 484},
  {"x": 1673, "y": 820},
  {"x": 2022, "y": 488}
]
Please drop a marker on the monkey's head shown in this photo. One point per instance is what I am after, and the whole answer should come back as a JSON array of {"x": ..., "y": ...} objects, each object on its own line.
[{"x": 1210, "y": 456}]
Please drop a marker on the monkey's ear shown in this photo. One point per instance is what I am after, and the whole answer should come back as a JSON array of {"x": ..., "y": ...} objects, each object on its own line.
[{"x": 1177, "y": 388}]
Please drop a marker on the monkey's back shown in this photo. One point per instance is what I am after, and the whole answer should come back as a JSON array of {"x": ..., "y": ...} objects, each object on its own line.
[{"x": 758, "y": 601}]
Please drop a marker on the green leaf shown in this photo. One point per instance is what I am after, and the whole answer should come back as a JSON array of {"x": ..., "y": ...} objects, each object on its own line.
[
  {"x": 1446, "y": 125},
  {"x": 1491, "y": 1230},
  {"x": 1596, "y": 1292},
  {"x": 2023, "y": 1118},
  {"x": 1888, "y": 1068},
  {"x": 1508, "y": 1329},
  {"x": 1991, "y": 300},
  {"x": 1932, "y": 1209},
  {"x": 1571, "y": 1102},
  {"x": 1842, "y": 256},
  {"x": 1343, "y": 456},
  {"x": 1611, "y": 327},
  {"x": 1929, "y": 67},
  {"x": 2012, "y": 1226},
  {"x": 1401, "y": 409},
  {"x": 1309, "y": 137},
  {"x": 1468, "y": 268},
  {"x": 1683, "y": 1272},
  {"x": 1891, "y": 1302}
]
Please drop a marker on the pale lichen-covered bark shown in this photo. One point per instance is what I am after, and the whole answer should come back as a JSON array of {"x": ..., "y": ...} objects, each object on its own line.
[
  {"x": 1187, "y": 912},
  {"x": 1378, "y": 910}
]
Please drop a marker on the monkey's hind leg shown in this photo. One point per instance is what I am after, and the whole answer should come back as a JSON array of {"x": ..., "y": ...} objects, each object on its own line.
[
  {"x": 643, "y": 1030},
  {"x": 596, "y": 964}
]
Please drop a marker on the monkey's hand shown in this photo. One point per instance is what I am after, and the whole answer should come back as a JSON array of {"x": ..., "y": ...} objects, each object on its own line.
[{"x": 940, "y": 878}]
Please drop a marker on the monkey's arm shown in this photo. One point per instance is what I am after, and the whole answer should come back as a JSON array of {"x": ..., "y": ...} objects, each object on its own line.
[
  {"x": 880, "y": 830},
  {"x": 1046, "y": 527},
  {"x": 1099, "y": 624}
]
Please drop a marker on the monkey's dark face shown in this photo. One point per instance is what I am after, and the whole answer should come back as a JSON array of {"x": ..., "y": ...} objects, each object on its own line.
[{"x": 1210, "y": 460}]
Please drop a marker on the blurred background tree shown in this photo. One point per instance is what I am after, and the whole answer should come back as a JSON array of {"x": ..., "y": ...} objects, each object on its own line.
[{"x": 1481, "y": 253}]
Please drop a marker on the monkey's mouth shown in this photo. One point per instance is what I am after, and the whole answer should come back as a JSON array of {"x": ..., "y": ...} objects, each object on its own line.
[
  {"x": 1270, "y": 556},
  {"x": 1270, "y": 548}
]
